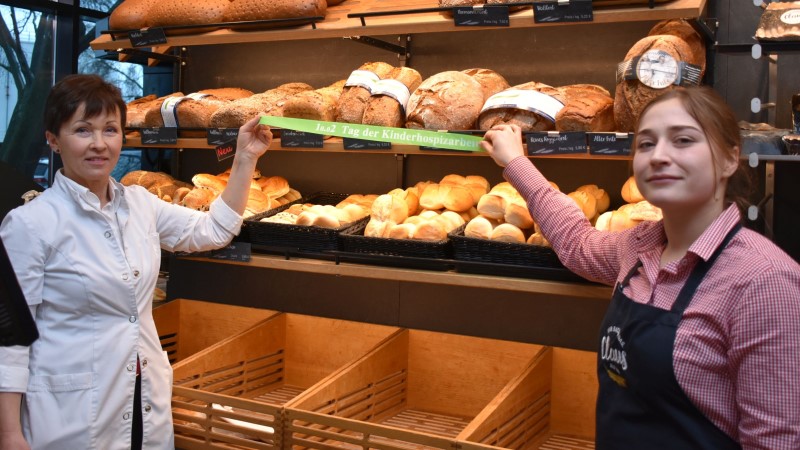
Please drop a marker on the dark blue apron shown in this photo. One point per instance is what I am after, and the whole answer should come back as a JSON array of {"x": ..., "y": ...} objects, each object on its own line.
[{"x": 640, "y": 403}]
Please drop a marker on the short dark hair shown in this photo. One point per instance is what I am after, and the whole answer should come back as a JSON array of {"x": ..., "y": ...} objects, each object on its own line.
[
  {"x": 721, "y": 128},
  {"x": 98, "y": 96}
]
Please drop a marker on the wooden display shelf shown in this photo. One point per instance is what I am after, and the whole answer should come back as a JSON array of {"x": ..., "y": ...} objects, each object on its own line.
[
  {"x": 335, "y": 145},
  {"x": 525, "y": 285},
  {"x": 337, "y": 24}
]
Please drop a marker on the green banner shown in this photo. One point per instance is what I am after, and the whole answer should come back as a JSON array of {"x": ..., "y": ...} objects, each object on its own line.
[{"x": 427, "y": 138}]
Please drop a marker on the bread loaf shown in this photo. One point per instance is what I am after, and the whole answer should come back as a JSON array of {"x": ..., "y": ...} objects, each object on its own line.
[
  {"x": 585, "y": 109},
  {"x": 631, "y": 96},
  {"x": 136, "y": 111},
  {"x": 684, "y": 30},
  {"x": 319, "y": 104},
  {"x": 390, "y": 97},
  {"x": 449, "y": 100},
  {"x": 245, "y": 10},
  {"x": 195, "y": 110},
  {"x": 238, "y": 112},
  {"x": 491, "y": 81},
  {"x": 131, "y": 15},
  {"x": 358, "y": 89},
  {"x": 532, "y": 106},
  {"x": 177, "y": 13}
]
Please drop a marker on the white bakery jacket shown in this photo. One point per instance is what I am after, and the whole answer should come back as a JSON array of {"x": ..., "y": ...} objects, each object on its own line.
[{"x": 88, "y": 276}]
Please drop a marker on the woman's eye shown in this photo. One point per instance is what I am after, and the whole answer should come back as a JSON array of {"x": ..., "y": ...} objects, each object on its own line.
[
  {"x": 111, "y": 131},
  {"x": 644, "y": 145},
  {"x": 684, "y": 141},
  {"x": 83, "y": 131}
]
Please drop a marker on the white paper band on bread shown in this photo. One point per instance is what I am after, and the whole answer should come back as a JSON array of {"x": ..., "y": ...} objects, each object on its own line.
[
  {"x": 394, "y": 89},
  {"x": 533, "y": 101},
  {"x": 362, "y": 78},
  {"x": 169, "y": 106}
]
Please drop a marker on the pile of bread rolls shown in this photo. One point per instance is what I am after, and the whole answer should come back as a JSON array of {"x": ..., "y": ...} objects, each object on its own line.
[
  {"x": 265, "y": 192},
  {"x": 428, "y": 210},
  {"x": 353, "y": 208},
  {"x": 636, "y": 210}
]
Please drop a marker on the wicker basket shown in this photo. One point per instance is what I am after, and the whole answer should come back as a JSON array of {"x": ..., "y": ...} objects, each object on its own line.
[
  {"x": 281, "y": 237},
  {"x": 186, "y": 327},
  {"x": 419, "y": 389},
  {"x": 231, "y": 395}
]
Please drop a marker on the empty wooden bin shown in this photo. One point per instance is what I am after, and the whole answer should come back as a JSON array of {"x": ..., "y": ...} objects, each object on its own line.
[
  {"x": 419, "y": 389},
  {"x": 231, "y": 395},
  {"x": 187, "y": 326},
  {"x": 551, "y": 406}
]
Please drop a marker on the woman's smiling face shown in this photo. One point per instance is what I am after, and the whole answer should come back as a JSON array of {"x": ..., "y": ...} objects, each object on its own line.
[
  {"x": 89, "y": 147},
  {"x": 673, "y": 162}
]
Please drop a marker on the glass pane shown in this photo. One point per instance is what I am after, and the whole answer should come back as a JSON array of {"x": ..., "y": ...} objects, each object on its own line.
[{"x": 26, "y": 68}]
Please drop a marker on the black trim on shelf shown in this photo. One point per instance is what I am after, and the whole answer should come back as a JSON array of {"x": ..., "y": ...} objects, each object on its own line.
[
  {"x": 363, "y": 15},
  {"x": 766, "y": 47}
]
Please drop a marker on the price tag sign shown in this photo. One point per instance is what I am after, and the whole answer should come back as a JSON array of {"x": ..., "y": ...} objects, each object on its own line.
[
  {"x": 220, "y": 136},
  {"x": 556, "y": 143},
  {"x": 610, "y": 143},
  {"x": 147, "y": 37},
  {"x": 225, "y": 151},
  {"x": 300, "y": 139},
  {"x": 362, "y": 144},
  {"x": 564, "y": 11},
  {"x": 481, "y": 16},
  {"x": 159, "y": 136},
  {"x": 235, "y": 251}
]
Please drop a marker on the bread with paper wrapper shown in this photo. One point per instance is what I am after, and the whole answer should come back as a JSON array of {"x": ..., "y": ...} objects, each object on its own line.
[
  {"x": 196, "y": 112},
  {"x": 353, "y": 100},
  {"x": 385, "y": 110},
  {"x": 525, "y": 119}
]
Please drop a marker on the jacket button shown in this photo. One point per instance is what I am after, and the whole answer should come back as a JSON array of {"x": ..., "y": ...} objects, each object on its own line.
[
  {"x": 125, "y": 276},
  {"x": 107, "y": 234},
  {"x": 126, "y": 416},
  {"x": 147, "y": 408},
  {"x": 144, "y": 363},
  {"x": 129, "y": 367},
  {"x": 135, "y": 273},
  {"x": 132, "y": 319}
]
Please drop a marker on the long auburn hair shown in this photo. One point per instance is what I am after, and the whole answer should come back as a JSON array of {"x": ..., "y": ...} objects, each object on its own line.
[{"x": 721, "y": 128}]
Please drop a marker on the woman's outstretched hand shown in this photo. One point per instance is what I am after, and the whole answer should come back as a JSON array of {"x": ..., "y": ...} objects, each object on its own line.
[
  {"x": 503, "y": 143},
  {"x": 254, "y": 139}
]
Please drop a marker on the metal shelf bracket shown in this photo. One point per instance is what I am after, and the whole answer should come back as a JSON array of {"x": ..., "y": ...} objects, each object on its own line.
[{"x": 403, "y": 49}]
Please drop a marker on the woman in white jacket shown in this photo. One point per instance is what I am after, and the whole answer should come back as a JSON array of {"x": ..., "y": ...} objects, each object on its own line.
[{"x": 87, "y": 253}]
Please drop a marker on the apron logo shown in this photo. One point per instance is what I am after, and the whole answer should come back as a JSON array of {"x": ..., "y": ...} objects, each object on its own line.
[{"x": 612, "y": 353}]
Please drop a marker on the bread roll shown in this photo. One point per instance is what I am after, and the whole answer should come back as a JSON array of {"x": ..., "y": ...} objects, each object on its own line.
[
  {"x": 208, "y": 181},
  {"x": 632, "y": 96},
  {"x": 505, "y": 232},
  {"x": 199, "y": 199},
  {"x": 431, "y": 230},
  {"x": 402, "y": 231},
  {"x": 431, "y": 197},
  {"x": 389, "y": 208},
  {"x": 538, "y": 239},
  {"x": 518, "y": 215},
  {"x": 456, "y": 198},
  {"x": 377, "y": 228},
  {"x": 354, "y": 96},
  {"x": 630, "y": 192},
  {"x": 479, "y": 227},
  {"x": 603, "y": 200},
  {"x": 274, "y": 186},
  {"x": 449, "y": 100},
  {"x": 644, "y": 210},
  {"x": 586, "y": 202},
  {"x": 389, "y": 100},
  {"x": 492, "y": 206}
]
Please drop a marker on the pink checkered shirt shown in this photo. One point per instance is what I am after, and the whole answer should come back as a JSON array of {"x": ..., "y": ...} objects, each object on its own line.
[{"x": 737, "y": 349}]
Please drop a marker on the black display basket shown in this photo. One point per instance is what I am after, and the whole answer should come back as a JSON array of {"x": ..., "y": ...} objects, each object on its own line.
[
  {"x": 287, "y": 238},
  {"x": 487, "y": 257}
]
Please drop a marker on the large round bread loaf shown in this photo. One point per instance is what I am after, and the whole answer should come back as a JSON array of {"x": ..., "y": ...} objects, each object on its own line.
[
  {"x": 243, "y": 10},
  {"x": 526, "y": 120},
  {"x": 631, "y": 95},
  {"x": 491, "y": 81},
  {"x": 449, "y": 100},
  {"x": 131, "y": 15},
  {"x": 682, "y": 29},
  {"x": 354, "y": 99},
  {"x": 385, "y": 110}
]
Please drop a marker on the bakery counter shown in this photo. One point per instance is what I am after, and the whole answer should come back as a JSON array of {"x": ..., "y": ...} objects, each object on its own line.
[
  {"x": 343, "y": 21},
  {"x": 526, "y": 310}
]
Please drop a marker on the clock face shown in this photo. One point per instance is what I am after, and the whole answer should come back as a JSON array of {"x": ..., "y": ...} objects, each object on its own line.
[{"x": 657, "y": 69}]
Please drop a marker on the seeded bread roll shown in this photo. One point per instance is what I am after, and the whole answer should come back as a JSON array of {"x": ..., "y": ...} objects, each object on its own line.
[
  {"x": 525, "y": 119},
  {"x": 238, "y": 112},
  {"x": 449, "y": 100},
  {"x": 354, "y": 99},
  {"x": 319, "y": 104},
  {"x": 131, "y": 15},
  {"x": 491, "y": 81},
  {"x": 684, "y": 30},
  {"x": 243, "y": 10},
  {"x": 386, "y": 111},
  {"x": 632, "y": 95}
]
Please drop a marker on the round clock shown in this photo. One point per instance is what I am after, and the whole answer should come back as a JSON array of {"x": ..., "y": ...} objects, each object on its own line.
[{"x": 657, "y": 69}]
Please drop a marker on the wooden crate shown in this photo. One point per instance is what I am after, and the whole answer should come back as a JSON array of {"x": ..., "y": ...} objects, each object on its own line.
[
  {"x": 187, "y": 326},
  {"x": 418, "y": 389},
  {"x": 250, "y": 376},
  {"x": 551, "y": 406}
]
